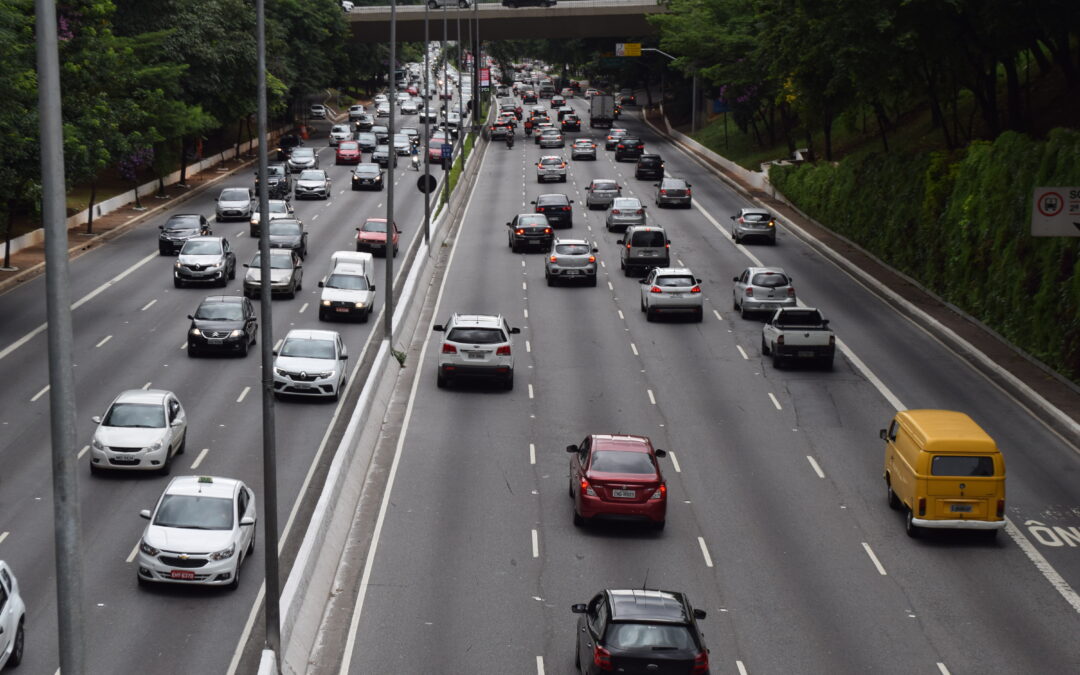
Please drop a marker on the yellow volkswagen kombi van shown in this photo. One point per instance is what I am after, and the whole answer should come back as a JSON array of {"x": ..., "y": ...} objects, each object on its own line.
[{"x": 945, "y": 471}]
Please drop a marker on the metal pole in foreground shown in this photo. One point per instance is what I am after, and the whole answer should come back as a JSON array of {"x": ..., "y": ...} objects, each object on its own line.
[
  {"x": 476, "y": 71},
  {"x": 270, "y": 505},
  {"x": 460, "y": 82},
  {"x": 445, "y": 105},
  {"x": 427, "y": 130},
  {"x": 61, "y": 349},
  {"x": 388, "y": 284}
]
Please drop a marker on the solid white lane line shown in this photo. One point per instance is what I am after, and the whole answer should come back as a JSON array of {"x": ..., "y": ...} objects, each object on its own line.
[
  {"x": 240, "y": 398},
  {"x": 539, "y": 665},
  {"x": 739, "y": 347},
  {"x": 652, "y": 399},
  {"x": 878, "y": 384},
  {"x": 942, "y": 669},
  {"x": 530, "y": 391},
  {"x": 82, "y": 452},
  {"x": 528, "y": 346},
  {"x": 814, "y": 464},
  {"x": 674, "y": 461},
  {"x": 79, "y": 303},
  {"x": 873, "y": 558},
  {"x": 705, "y": 551},
  {"x": 147, "y": 385},
  {"x": 131, "y": 556},
  {"x": 535, "y": 544},
  {"x": 40, "y": 393},
  {"x": 199, "y": 459},
  {"x": 3, "y": 536},
  {"x": 741, "y": 667},
  {"x": 302, "y": 308},
  {"x": 532, "y": 453},
  {"x": 148, "y": 305},
  {"x": 774, "y": 401},
  {"x": 621, "y": 315},
  {"x": 103, "y": 341},
  {"x": 610, "y": 287},
  {"x": 718, "y": 317}
]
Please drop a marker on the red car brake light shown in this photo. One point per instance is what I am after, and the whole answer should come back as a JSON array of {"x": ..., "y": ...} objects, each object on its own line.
[
  {"x": 656, "y": 289},
  {"x": 520, "y": 230},
  {"x": 617, "y": 211},
  {"x": 639, "y": 211},
  {"x": 547, "y": 230},
  {"x": 790, "y": 292},
  {"x": 503, "y": 351},
  {"x": 448, "y": 348},
  {"x": 602, "y": 658},
  {"x": 695, "y": 289},
  {"x": 659, "y": 493},
  {"x": 749, "y": 292},
  {"x": 687, "y": 192},
  {"x": 554, "y": 259},
  {"x": 663, "y": 191},
  {"x": 701, "y": 663},
  {"x": 592, "y": 258},
  {"x": 566, "y": 208}
]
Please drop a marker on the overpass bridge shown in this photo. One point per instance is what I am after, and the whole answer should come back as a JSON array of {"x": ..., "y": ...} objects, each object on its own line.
[{"x": 567, "y": 19}]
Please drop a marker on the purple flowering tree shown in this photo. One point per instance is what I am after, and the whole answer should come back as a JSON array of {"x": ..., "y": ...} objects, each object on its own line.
[{"x": 130, "y": 165}]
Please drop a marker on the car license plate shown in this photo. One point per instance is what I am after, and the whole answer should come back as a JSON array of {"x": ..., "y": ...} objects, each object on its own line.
[
  {"x": 572, "y": 272},
  {"x": 215, "y": 341},
  {"x": 186, "y": 575},
  {"x": 648, "y": 254},
  {"x": 806, "y": 354},
  {"x": 475, "y": 355},
  {"x": 625, "y": 494},
  {"x": 961, "y": 508},
  {"x": 302, "y": 385},
  {"x": 343, "y": 310}
]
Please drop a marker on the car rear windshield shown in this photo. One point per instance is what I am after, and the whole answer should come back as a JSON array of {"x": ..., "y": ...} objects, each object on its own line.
[
  {"x": 648, "y": 636},
  {"x": 351, "y": 282},
  {"x": 651, "y": 238},
  {"x": 137, "y": 415},
  {"x": 800, "y": 317},
  {"x": 235, "y": 195},
  {"x": 278, "y": 206},
  {"x": 308, "y": 349},
  {"x": 201, "y": 248},
  {"x": 648, "y": 161},
  {"x": 477, "y": 336},
  {"x": 769, "y": 280},
  {"x": 674, "y": 184},
  {"x": 614, "y": 461},
  {"x": 219, "y": 311},
  {"x": 959, "y": 465},
  {"x": 572, "y": 249},
  {"x": 538, "y": 219},
  {"x": 628, "y": 203},
  {"x": 551, "y": 161},
  {"x": 195, "y": 512},
  {"x": 605, "y": 185},
  {"x": 551, "y": 200},
  {"x": 675, "y": 280},
  {"x": 757, "y": 217},
  {"x": 284, "y": 228}
]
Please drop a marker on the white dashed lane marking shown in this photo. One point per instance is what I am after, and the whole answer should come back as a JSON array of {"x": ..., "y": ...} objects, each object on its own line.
[
  {"x": 873, "y": 558},
  {"x": 148, "y": 305},
  {"x": 652, "y": 399},
  {"x": 705, "y": 551},
  {"x": 814, "y": 464},
  {"x": 243, "y": 394},
  {"x": 674, "y": 461},
  {"x": 633, "y": 348},
  {"x": 82, "y": 452},
  {"x": 532, "y": 453},
  {"x": 536, "y": 544},
  {"x": 134, "y": 552},
  {"x": 743, "y": 353},
  {"x": 3, "y": 536},
  {"x": 199, "y": 459},
  {"x": 774, "y": 401},
  {"x": 103, "y": 341},
  {"x": 40, "y": 393}
]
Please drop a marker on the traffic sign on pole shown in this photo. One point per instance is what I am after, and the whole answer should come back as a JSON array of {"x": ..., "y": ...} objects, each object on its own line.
[
  {"x": 627, "y": 49},
  {"x": 1055, "y": 212}
]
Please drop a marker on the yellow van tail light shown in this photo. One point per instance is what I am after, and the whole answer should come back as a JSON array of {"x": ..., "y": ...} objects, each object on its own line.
[
  {"x": 1001, "y": 508},
  {"x": 922, "y": 506}
]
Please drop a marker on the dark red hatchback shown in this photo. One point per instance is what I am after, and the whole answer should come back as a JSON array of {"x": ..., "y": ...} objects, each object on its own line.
[{"x": 617, "y": 477}]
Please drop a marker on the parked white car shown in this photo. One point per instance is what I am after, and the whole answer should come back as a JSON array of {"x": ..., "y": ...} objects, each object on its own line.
[{"x": 142, "y": 430}]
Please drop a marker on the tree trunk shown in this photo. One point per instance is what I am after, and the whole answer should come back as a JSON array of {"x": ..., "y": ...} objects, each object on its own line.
[
  {"x": 882, "y": 123},
  {"x": 90, "y": 211},
  {"x": 8, "y": 227},
  {"x": 826, "y": 127},
  {"x": 239, "y": 135},
  {"x": 787, "y": 123},
  {"x": 1012, "y": 96},
  {"x": 183, "y": 160}
]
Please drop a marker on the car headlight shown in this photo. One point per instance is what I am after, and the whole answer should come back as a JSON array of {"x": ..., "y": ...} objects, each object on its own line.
[
  {"x": 97, "y": 444},
  {"x": 196, "y": 331},
  {"x": 223, "y": 554},
  {"x": 147, "y": 548},
  {"x": 359, "y": 305},
  {"x": 279, "y": 371},
  {"x": 236, "y": 333},
  {"x": 325, "y": 303},
  {"x": 324, "y": 375},
  {"x": 156, "y": 445},
  {"x": 177, "y": 264}
]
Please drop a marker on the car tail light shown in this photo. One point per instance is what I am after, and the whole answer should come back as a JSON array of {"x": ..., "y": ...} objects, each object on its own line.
[
  {"x": 503, "y": 351},
  {"x": 922, "y": 506},
  {"x": 701, "y": 663},
  {"x": 663, "y": 192},
  {"x": 749, "y": 292},
  {"x": 791, "y": 292},
  {"x": 695, "y": 289},
  {"x": 772, "y": 223},
  {"x": 547, "y": 230},
  {"x": 586, "y": 489},
  {"x": 616, "y": 211},
  {"x": 656, "y": 289},
  {"x": 1001, "y": 508},
  {"x": 448, "y": 348},
  {"x": 639, "y": 211},
  {"x": 592, "y": 258},
  {"x": 667, "y": 245},
  {"x": 520, "y": 231},
  {"x": 659, "y": 493},
  {"x": 628, "y": 246},
  {"x": 832, "y": 340},
  {"x": 601, "y": 658},
  {"x": 620, "y": 146},
  {"x": 779, "y": 339},
  {"x": 566, "y": 208},
  {"x": 563, "y": 165},
  {"x": 687, "y": 192}
]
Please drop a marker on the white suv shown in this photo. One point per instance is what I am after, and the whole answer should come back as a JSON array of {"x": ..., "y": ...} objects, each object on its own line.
[
  {"x": 12, "y": 619},
  {"x": 310, "y": 363},
  {"x": 671, "y": 290},
  {"x": 476, "y": 345}
]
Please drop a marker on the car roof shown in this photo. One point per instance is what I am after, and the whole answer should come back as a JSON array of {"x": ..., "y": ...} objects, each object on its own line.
[
  {"x": 645, "y": 228},
  {"x": 771, "y": 270},
  {"x": 311, "y": 334},
  {"x": 349, "y": 268},
  {"x": 142, "y": 396},
  {"x": 571, "y": 241},
  {"x": 648, "y": 605},
  {"x": 746, "y": 210},
  {"x": 478, "y": 320},
  {"x": 624, "y": 442},
  {"x": 222, "y": 299},
  {"x": 205, "y": 238},
  {"x": 674, "y": 271},
  {"x": 550, "y": 195},
  {"x": 207, "y": 486}
]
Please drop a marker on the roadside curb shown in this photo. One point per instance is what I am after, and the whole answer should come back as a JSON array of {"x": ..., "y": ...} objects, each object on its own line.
[{"x": 1051, "y": 415}]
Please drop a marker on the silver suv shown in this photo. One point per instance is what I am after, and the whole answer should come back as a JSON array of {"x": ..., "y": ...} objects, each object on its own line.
[
  {"x": 476, "y": 345},
  {"x": 749, "y": 223},
  {"x": 671, "y": 290},
  {"x": 762, "y": 289},
  {"x": 571, "y": 260},
  {"x": 644, "y": 246},
  {"x": 551, "y": 167},
  {"x": 234, "y": 203},
  {"x": 12, "y": 619},
  {"x": 205, "y": 260}
]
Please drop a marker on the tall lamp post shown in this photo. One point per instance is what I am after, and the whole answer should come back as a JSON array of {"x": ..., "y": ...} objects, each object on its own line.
[
  {"x": 388, "y": 288},
  {"x": 427, "y": 129},
  {"x": 693, "y": 89}
]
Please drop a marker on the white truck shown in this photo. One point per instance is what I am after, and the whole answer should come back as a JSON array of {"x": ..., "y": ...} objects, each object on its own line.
[
  {"x": 798, "y": 334},
  {"x": 602, "y": 111}
]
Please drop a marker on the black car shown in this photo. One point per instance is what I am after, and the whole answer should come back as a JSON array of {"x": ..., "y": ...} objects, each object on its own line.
[
  {"x": 556, "y": 206},
  {"x": 222, "y": 323},
  {"x": 649, "y": 166},
  {"x": 367, "y": 177},
  {"x": 278, "y": 182},
  {"x": 640, "y": 631},
  {"x": 364, "y": 122},
  {"x": 286, "y": 144},
  {"x": 530, "y": 231},
  {"x": 178, "y": 229},
  {"x": 288, "y": 233},
  {"x": 571, "y": 123},
  {"x": 629, "y": 147},
  {"x": 382, "y": 133}
]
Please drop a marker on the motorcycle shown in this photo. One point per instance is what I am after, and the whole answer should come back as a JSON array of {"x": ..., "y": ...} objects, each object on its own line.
[
  {"x": 509, "y": 139},
  {"x": 416, "y": 162}
]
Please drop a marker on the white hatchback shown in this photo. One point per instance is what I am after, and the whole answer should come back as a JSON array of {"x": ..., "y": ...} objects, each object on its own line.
[
  {"x": 671, "y": 290},
  {"x": 476, "y": 345},
  {"x": 200, "y": 532},
  {"x": 142, "y": 430}
]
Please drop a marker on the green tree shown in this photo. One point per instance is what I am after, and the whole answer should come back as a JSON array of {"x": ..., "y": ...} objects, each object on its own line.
[{"x": 19, "y": 163}]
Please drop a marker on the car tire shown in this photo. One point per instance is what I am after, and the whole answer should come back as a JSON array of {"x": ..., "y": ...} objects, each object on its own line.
[
  {"x": 700, "y": 315},
  {"x": 776, "y": 360},
  {"x": 827, "y": 363},
  {"x": 578, "y": 520},
  {"x": 550, "y": 279},
  {"x": 244, "y": 350},
  {"x": 177, "y": 283},
  {"x": 251, "y": 544},
  {"x": 650, "y": 315},
  {"x": 252, "y": 232},
  {"x": 910, "y": 527},
  {"x": 166, "y": 466},
  {"x": 322, "y": 315},
  {"x": 192, "y": 353},
  {"x": 95, "y": 470},
  {"x": 764, "y": 347},
  {"x": 19, "y": 645},
  {"x": 441, "y": 380},
  {"x": 365, "y": 316},
  {"x": 232, "y": 273},
  {"x": 292, "y": 293},
  {"x": 743, "y": 312},
  {"x": 217, "y": 219},
  {"x": 235, "y": 583},
  {"x": 592, "y": 282},
  {"x": 641, "y": 302},
  {"x": 163, "y": 251},
  {"x": 659, "y": 526},
  {"x": 562, "y": 179},
  {"x": 893, "y": 500},
  {"x": 508, "y": 382}
]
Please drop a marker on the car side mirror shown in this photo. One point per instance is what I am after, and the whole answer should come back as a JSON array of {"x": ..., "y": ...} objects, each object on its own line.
[
  {"x": 734, "y": 278},
  {"x": 656, "y": 184},
  {"x": 176, "y": 422},
  {"x": 191, "y": 317},
  {"x": 699, "y": 614},
  {"x": 438, "y": 327},
  {"x": 246, "y": 521},
  {"x": 509, "y": 224},
  {"x": 571, "y": 448},
  {"x": 372, "y": 288},
  {"x": 515, "y": 331},
  {"x": 883, "y": 434},
  {"x": 571, "y": 201},
  {"x": 322, "y": 284},
  {"x": 274, "y": 352},
  {"x": 162, "y": 227},
  {"x": 824, "y": 323},
  {"x": 697, "y": 281},
  {"x": 618, "y": 241},
  {"x": 96, "y": 419},
  {"x": 595, "y": 250},
  {"x": 145, "y": 513},
  {"x": 661, "y": 453},
  {"x": 643, "y": 282},
  {"x": 579, "y": 608}
]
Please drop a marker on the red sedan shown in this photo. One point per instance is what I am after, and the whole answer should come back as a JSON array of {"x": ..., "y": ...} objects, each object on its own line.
[
  {"x": 617, "y": 477},
  {"x": 371, "y": 236},
  {"x": 348, "y": 152}
]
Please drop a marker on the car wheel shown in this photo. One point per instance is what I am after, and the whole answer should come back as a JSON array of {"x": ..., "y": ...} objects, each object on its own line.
[
  {"x": 776, "y": 361},
  {"x": 166, "y": 466},
  {"x": 94, "y": 469},
  {"x": 578, "y": 520},
  {"x": 827, "y": 363},
  {"x": 577, "y": 656},
  {"x": 244, "y": 350},
  {"x": 743, "y": 312},
  {"x": 441, "y": 380},
  {"x": 162, "y": 250},
  {"x": 562, "y": 179},
  {"x": 395, "y": 251},
  {"x": 253, "y": 232},
  {"x": 700, "y": 315},
  {"x": 508, "y": 383},
  {"x": 641, "y": 301},
  {"x": 570, "y": 487},
  {"x": 734, "y": 303},
  {"x": 550, "y": 279},
  {"x": 17, "y": 647},
  {"x": 912, "y": 529},
  {"x": 191, "y": 352},
  {"x": 659, "y": 526},
  {"x": 650, "y": 315},
  {"x": 232, "y": 272},
  {"x": 177, "y": 283},
  {"x": 251, "y": 544},
  {"x": 764, "y": 347},
  {"x": 322, "y": 315},
  {"x": 235, "y": 583},
  {"x": 292, "y": 293},
  {"x": 592, "y": 282},
  {"x": 300, "y": 284},
  {"x": 894, "y": 501}
]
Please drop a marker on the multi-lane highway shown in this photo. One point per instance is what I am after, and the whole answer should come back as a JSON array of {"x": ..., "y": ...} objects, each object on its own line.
[
  {"x": 130, "y": 334},
  {"x": 777, "y": 519}
]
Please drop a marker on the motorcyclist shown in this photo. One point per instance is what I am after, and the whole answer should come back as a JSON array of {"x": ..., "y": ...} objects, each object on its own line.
[
  {"x": 509, "y": 137},
  {"x": 415, "y": 158},
  {"x": 528, "y": 127}
]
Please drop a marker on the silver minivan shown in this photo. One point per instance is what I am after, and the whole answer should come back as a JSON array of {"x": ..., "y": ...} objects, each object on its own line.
[{"x": 644, "y": 247}]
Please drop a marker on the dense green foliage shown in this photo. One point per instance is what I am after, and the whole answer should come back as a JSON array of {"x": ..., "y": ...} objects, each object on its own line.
[{"x": 959, "y": 224}]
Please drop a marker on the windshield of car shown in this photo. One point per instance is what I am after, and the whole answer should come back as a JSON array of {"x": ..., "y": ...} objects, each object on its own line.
[
  {"x": 285, "y": 228},
  {"x": 628, "y": 203},
  {"x": 182, "y": 223},
  {"x": 203, "y": 247},
  {"x": 308, "y": 349},
  {"x": 769, "y": 280},
  {"x": 615, "y": 461},
  {"x": 477, "y": 336},
  {"x": 340, "y": 129},
  {"x": 674, "y": 280},
  {"x": 757, "y": 217},
  {"x": 799, "y": 317},
  {"x": 366, "y": 137},
  {"x": 634, "y": 636},
  {"x": 955, "y": 465},
  {"x": 278, "y": 206},
  {"x": 312, "y": 175},
  {"x": 195, "y": 512},
  {"x": 648, "y": 238},
  {"x": 137, "y": 415},
  {"x": 604, "y": 185},
  {"x": 220, "y": 311},
  {"x": 282, "y": 261},
  {"x": 374, "y": 226},
  {"x": 303, "y": 153},
  {"x": 235, "y": 195},
  {"x": 275, "y": 170},
  {"x": 348, "y": 145},
  {"x": 572, "y": 249},
  {"x": 351, "y": 282},
  {"x": 382, "y": 148}
]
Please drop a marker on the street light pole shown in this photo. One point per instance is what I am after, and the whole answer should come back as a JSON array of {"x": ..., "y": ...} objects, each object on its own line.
[
  {"x": 427, "y": 130},
  {"x": 388, "y": 251},
  {"x": 445, "y": 107},
  {"x": 461, "y": 93}
]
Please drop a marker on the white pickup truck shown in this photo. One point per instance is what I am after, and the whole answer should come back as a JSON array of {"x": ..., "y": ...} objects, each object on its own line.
[{"x": 797, "y": 334}]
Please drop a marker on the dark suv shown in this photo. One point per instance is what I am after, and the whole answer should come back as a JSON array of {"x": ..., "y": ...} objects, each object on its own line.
[
  {"x": 278, "y": 182},
  {"x": 649, "y": 166},
  {"x": 557, "y": 207},
  {"x": 639, "y": 631},
  {"x": 629, "y": 147},
  {"x": 222, "y": 323}
]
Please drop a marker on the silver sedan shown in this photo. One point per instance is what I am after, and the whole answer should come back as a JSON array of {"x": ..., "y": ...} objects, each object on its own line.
[
  {"x": 625, "y": 211},
  {"x": 601, "y": 192}
]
